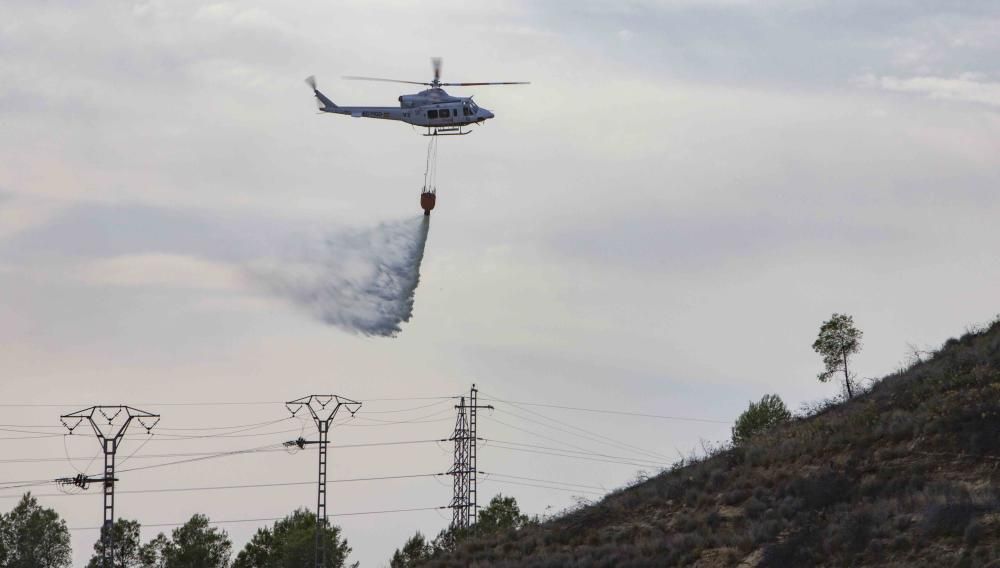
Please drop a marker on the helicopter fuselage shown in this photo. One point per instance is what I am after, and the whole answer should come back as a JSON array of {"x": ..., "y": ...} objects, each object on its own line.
[{"x": 432, "y": 108}]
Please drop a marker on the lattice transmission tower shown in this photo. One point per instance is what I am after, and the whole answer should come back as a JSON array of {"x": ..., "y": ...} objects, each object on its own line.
[
  {"x": 109, "y": 424},
  {"x": 323, "y": 408},
  {"x": 464, "y": 506}
]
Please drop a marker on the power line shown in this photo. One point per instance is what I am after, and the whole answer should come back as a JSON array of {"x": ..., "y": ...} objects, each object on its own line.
[
  {"x": 585, "y": 458},
  {"x": 450, "y": 397},
  {"x": 361, "y": 413},
  {"x": 207, "y": 457},
  {"x": 593, "y": 454},
  {"x": 583, "y": 433},
  {"x": 177, "y": 438},
  {"x": 40, "y": 435},
  {"x": 243, "y": 486},
  {"x": 616, "y": 412},
  {"x": 564, "y": 443},
  {"x": 537, "y": 435},
  {"x": 589, "y": 434},
  {"x": 374, "y": 444},
  {"x": 567, "y": 489},
  {"x": 75, "y": 404},
  {"x": 145, "y": 456},
  {"x": 388, "y": 423},
  {"x": 24, "y": 483},
  {"x": 238, "y": 427},
  {"x": 549, "y": 481},
  {"x": 19, "y": 431},
  {"x": 247, "y": 427},
  {"x": 347, "y": 421},
  {"x": 206, "y": 403},
  {"x": 194, "y": 454},
  {"x": 270, "y": 519},
  {"x": 410, "y": 409}
]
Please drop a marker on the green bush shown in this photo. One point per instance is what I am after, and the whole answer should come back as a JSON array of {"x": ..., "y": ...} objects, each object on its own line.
[{"x": 760, "y": 417}]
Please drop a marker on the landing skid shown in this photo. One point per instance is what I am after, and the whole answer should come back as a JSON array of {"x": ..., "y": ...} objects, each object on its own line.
[{"x": 449, "y": 131}]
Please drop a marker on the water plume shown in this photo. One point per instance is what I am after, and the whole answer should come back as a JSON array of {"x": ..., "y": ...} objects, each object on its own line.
[{"x": 363, "y": 281}]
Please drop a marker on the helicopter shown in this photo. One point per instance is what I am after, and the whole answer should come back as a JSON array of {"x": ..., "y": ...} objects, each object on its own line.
[{"x": 433, "y": 108}]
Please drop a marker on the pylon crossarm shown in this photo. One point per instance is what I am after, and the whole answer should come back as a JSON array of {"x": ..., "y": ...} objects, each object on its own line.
[{"x": 319, "y": 406}]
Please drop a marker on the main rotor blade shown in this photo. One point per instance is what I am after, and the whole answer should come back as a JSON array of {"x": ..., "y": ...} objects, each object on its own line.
[
  {"x": 353, "y": 78},
  {"x": 493, "y": 83}
]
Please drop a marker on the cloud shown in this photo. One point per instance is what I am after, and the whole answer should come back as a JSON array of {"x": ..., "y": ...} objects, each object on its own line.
[
  {"x": 967, "y": 87},
  {"x": 18, "y": 214},
  {"x": 160, "y": 270},
  {"x": 104, "y": 231}
]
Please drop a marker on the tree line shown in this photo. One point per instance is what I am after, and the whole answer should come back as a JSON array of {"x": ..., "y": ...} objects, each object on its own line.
[{"x": 32, "y": 536}]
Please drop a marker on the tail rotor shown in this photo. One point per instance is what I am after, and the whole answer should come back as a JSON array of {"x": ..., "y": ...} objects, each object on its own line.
[{"x": 324, "y": 103}]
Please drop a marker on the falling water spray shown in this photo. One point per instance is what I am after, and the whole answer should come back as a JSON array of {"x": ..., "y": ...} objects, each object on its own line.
[{"x": 363, "y": 281}]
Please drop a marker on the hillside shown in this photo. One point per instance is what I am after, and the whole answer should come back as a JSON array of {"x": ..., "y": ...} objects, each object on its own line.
[{"x": 903, "y": 475}]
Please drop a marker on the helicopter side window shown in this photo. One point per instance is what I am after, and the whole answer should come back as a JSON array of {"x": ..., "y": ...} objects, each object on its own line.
[
  {"x": 432, "y": 114},
  {"x": 466, "y": 110}
]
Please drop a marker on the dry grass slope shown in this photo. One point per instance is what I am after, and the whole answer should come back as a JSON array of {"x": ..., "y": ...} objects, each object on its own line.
[{"x": 903, "y": 475}]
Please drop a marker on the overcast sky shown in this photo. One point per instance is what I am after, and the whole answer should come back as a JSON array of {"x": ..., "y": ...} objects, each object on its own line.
[{"x": 659, "y": 223}]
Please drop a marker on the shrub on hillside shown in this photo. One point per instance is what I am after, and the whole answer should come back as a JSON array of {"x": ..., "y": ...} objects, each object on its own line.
[{"x": 760, "y": 417}]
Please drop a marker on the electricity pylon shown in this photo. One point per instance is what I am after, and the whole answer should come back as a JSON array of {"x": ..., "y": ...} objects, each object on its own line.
[
  {"x": 322, "y": 415},
  {"x": 110, "y": 436},
  {"x": 464, "y": 506}
]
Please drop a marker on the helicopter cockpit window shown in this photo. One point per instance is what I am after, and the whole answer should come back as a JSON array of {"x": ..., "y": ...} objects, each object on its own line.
[
  {"x": 432, "y": 114},
  {"x": 466, "y": 110}
]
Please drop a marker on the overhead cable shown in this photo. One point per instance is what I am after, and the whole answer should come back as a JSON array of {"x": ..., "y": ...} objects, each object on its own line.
[
  {"x": 580, "y": 457},
  {"x": 204, "y": 403},
  {"x": 244, "y": 486},
  {"x": 206, "y": 453},
  {"x": 563, "y": 450},
  {"x": 270, "y": 519},
  {"x": 583, "y": 433},
  {"x": 607, "y": 439},
  {"x": 616, "y": 412},
  {"x": 567, "y": 489},
  {"x": 548, "y": 481}
]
